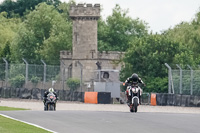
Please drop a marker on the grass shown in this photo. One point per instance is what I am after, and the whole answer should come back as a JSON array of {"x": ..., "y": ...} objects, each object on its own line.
[
  {"x": 12, "y": 126},
  {"x": 8, "y": 125},
  {"x": 4, "y": 108}
]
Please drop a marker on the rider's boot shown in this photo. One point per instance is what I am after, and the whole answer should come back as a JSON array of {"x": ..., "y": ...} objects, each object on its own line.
[
  {"x": 140, "y": 99},
  {"x": 129, "y": 100}
]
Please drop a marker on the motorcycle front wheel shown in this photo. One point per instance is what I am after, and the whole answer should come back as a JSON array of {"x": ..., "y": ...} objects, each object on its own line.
[
  {"x": 135, "y": 104},
  {"x": 51, "y": 107}
]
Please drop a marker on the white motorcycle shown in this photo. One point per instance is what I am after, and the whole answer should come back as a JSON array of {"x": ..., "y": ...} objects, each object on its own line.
[{"x": 134, "y": 92}]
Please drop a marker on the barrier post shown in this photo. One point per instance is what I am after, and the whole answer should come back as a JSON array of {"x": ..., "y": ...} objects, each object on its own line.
[
  {"x": 170, "y": 81},
  {"x": 26, "y": 81},
  {"x": 6, "y": 71},
  {"x": 191, "y": 80},
  {"x": 181, "y": 77},
  {"x": 44, "y": 75},
  {"x": 81, "y": 84}
]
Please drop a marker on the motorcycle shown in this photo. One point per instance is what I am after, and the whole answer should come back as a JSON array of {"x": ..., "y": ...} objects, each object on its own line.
[
  {"x": 134, "y": 92},
  {"x": 50, "y": 102}
]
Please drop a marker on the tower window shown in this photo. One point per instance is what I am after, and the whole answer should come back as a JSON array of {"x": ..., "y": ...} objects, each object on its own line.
[{"x": 92, "y": 52}]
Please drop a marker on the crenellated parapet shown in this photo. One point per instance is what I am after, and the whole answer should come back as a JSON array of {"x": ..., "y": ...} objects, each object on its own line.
[
  {"x": 65, "y": 54},
  {"x": 82, "y": 11},
  {"x": 110, "y": 55}
]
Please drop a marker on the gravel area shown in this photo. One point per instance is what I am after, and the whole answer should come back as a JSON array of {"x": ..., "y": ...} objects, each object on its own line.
[{"x": 65, "y": 105}]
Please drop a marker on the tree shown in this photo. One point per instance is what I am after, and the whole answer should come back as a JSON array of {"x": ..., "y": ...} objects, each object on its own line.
[
  {"x": 118, "y": 30},
  {"x": 22, "y": 6},
  {"x": 64, "y": 8},
  {"x": 8, "y": 30},
  {"x": 187, "y": 33},
  {"x": 25, "y": 46},
  {"x": 43, "y": 34},
  {"x": 147, "y": 56},
  {"x": 8, "y": 6}
]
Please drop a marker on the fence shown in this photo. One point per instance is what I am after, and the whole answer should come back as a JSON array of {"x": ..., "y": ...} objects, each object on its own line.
[
  {"x": 44, "y": 76},
  {"x": 31, "y": 76},
  {"x": 185, "y": 82}
]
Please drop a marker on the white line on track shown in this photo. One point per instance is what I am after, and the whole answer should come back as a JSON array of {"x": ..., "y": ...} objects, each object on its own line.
[{"x": 28, "y": 123}]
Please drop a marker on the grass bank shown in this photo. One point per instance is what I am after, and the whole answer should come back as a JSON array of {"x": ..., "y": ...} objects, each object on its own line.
[
  {"x": 8, "y": 125},
  {"x": 12, "y": 126},
  {"x": 4, "y": 108}
]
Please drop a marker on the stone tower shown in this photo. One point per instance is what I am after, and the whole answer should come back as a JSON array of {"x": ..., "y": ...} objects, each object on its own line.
[
  {"x": 84, "y": 49},
  {"x": 85, "y": 30}
]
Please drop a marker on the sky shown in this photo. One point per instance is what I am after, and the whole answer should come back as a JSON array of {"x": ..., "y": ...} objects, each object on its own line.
[{"x": 159, "y": 14}]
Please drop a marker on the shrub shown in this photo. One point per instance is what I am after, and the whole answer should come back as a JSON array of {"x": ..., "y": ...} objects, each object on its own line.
[
  {"x": 73, "y": 83},
  {"x": 35, "y": 80},
  {"x": 18, "y": 81}
]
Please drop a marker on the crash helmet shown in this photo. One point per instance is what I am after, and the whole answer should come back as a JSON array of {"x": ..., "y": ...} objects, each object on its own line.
[
  {"x": 51, "y": 90},
  {"x": 134, "y": 76}
]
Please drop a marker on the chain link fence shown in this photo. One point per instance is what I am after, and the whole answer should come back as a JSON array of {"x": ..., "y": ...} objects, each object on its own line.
[
  {"x": 31, "y": 76},
  {"x": 185, "y": 82}
]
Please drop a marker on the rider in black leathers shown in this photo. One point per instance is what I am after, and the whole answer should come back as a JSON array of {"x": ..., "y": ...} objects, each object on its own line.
[
  {"x": 133, "y": 80},
  {"x": 51, "y": 90}
]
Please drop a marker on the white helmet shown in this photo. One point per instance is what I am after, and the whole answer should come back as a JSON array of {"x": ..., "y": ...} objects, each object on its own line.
[{"x": 51, "y": 90}]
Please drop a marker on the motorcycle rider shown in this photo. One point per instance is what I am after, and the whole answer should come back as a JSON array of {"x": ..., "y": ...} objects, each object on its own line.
[
  {"x": 51, "y": 90},
  {"x": 133, "y": 80}
]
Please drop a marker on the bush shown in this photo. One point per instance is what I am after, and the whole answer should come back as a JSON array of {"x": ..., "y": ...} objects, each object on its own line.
[
  {"x": 18, "y": 81},
  {"x": 35, "y": 80},
  {"x": 73, "y": 83},
  {"x": 156, "y": 84}
]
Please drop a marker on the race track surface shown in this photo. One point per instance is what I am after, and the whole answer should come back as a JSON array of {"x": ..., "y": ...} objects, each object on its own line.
[{"x": 109, "y": 121}]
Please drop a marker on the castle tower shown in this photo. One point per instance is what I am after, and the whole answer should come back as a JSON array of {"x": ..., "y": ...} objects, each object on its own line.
[
  {"x": 85, "y": 49},
  {"x": 85, "y": 30}
]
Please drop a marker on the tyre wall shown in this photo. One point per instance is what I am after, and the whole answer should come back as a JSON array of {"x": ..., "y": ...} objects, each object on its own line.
[
  {"x": 97, "y": 97},
  {"x": 164, "y": 99},
  {"x": 64, "y": 95},
  {"x": 24, "y": 93}
]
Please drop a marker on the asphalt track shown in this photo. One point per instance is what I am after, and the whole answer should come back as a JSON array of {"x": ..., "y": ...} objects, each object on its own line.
[{"x": 110, "y": 122}]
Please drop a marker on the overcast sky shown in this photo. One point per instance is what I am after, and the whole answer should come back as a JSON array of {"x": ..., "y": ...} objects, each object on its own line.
[{"x": 159, "y": 14}]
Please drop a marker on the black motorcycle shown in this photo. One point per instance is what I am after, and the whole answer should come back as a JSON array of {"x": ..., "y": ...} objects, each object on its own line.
[{"x": 50, "y": 102}]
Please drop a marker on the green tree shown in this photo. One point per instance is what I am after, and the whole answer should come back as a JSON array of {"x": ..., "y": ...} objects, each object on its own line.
[
  {"x": 187, "y": 33},
  {"x": 147, "y": 56},
  {"x": 8, "y": 6},
  {"x": 115, "y": 33},
  {"x": 8, "y": 30},
  {"x": 64, "y": 8},
  {"x": 42, "y": 36},
  {"x": 22, "y": 6}
]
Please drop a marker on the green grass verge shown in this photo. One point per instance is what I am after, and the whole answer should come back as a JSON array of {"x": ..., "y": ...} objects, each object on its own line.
[
  {"x": 4, "y": 108},
  {"x": 12, "y": 126}
]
